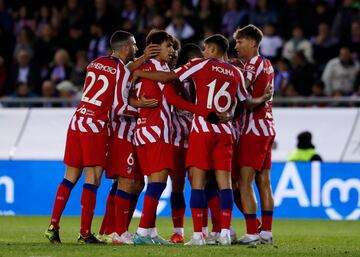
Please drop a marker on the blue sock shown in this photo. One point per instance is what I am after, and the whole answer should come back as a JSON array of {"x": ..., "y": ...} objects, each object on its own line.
[
  {"x": 197, "y": 199},
  {"x": 155, "y": 189},
  {"x": 67, "y": 183},
  {"x": 226, "y": 199}
]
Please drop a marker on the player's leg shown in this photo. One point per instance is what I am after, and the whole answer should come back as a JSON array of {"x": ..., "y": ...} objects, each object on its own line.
[
  {"x": 88, "y": 202},
  {"x": 267, "y": 205},
  {"x": 178, "y": 206},
  {"x": 108, "y": 223},
  {"x": 177, "y": 199},
  {"x": 72, "y": 175},
  {"x": 223, "y": 179},
  {"x": 222, "y": 159},
  {"x": 147, "y": 226},
  {"x": 156, "y": 160},
  {"x": 205, "y": 228},
  {"x": 197, "y": 204},
  {"x": 249, "y": 204},
  {"x": 237, "y": 201},
  {"x": 122, "y": 206},
  {"x": 137, "y": 189},
  {"x": 213, "y": 202}
]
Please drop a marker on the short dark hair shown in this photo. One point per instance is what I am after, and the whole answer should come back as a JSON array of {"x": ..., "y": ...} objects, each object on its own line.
[
  {"x": 158, "y": 37},
  {"x": 177, "y": 44},
  {"x": 249, "y": 32},
  {"x": 220, "y": 41},
  {"x": 188, "y": 52},
  {"x": 119, "y": 37}
]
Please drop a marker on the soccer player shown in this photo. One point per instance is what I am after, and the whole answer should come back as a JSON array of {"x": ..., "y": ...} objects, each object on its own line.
[
  {"x": 257, "y": 137},
  {"x": 87, "y": 137},
  {"x": 153, "y": 135},
  {"x": 122, "y": 165},
  {"x": 210, "y": 145}
]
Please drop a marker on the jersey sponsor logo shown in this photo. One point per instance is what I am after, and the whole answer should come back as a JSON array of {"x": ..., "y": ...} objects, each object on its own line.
[
  {"x": 85, "y": 111},
  {"x": 222, "y": 70},
  {"x": 102, "y": 67},
  {"x": 141, "y": 121}
]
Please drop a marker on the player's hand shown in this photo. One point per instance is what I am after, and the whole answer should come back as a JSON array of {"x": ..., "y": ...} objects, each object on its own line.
[
  {"x": 213, "y": 118},
  {"x": 268, "y": 92},
  {"x": 151, "y": 50},
  {"x": 144, "y": 102},
  {"x": 225, "y": 117}
]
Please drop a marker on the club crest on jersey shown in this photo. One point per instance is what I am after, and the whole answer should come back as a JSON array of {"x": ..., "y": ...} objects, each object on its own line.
[
  {"x": 222, "y": 70},
  {"x": 250, "y": 68},
  {"x": 129, "y": 169}
]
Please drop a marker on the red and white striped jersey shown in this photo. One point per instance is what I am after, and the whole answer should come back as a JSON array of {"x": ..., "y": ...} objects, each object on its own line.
[
  {"x": 181, "y": 119},
  {"x": 153, "y": 123},
  {"x": 124, "y": 128},
  {"x": 106, "y": 81},
  {"x": 123, "y": 115},
  {"x": 217, "y": 84},
  {"x": 260, "y": 73}
]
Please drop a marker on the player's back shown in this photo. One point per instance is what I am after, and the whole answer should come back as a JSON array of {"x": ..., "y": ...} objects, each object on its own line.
[
  {"x": 99, "y": 89},
  {"x": 217, "y": 84}
]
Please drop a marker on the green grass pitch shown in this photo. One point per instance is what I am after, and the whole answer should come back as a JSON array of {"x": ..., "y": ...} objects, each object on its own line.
[{"x": 24, "y": 236}]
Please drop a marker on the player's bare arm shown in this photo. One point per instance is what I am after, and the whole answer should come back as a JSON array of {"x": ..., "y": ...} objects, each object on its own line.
[
  {"x": 143, "y": 102},
  {"x": 251, "y": 104},
  {"x": 150, "y": 51},
  {"x": 180, "y": 103}
]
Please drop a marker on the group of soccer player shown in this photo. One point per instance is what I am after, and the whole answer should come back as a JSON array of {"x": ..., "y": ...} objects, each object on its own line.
[{"x": 173, "y": 111}]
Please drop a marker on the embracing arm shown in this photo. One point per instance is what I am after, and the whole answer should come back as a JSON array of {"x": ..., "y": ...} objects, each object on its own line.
[
  {"x": 251, "y": 104},
  {"x": 150, "y": 51},
  {"x": 173, "y": 99},
  {"x": 159, "y": 76}
]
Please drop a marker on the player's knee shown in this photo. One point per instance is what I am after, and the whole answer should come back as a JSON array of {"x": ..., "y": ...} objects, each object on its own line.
[
  {"x": 92, "y": 179},
  {"x": 138, "y": 186},
  {"x": 263, "y": 182},
  {"x": 72, "y": 174},
  {"x": 125, "y": 184}
]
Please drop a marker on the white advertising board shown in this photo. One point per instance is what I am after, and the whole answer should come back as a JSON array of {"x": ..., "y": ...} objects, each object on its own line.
[{"x": 40, "y": 133}]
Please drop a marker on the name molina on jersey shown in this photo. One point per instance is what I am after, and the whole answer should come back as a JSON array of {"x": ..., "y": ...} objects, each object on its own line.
[{"x": 222, "y": 70}]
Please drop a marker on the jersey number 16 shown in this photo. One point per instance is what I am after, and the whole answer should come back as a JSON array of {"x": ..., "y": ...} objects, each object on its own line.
[{"x": 222, "y": 92}]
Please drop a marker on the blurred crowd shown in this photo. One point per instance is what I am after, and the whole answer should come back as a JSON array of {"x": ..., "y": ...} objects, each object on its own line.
[{"x": 45, "y": 46}]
